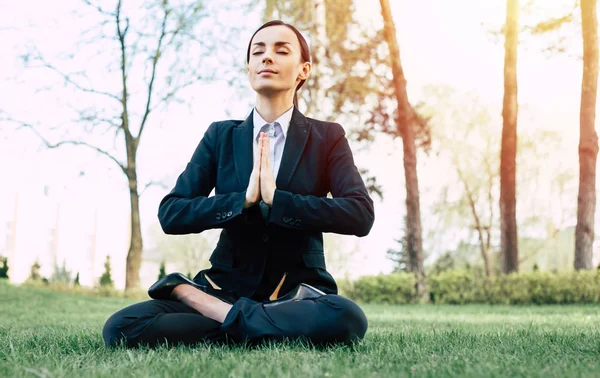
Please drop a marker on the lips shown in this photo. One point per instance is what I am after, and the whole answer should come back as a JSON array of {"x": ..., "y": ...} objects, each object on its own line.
[{"x": 266, "y": 70}]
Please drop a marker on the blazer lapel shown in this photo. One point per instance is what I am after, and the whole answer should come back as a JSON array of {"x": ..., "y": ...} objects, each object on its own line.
[
  {"x": 294, "y": 145},
  {"x": 242, "y": 150}
]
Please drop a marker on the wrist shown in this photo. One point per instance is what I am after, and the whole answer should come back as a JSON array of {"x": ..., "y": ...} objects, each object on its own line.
[{"x": 249, "y": 202}]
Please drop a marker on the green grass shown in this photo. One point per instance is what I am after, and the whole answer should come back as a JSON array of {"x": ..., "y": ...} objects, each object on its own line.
[{"x": 49, "y": 334}]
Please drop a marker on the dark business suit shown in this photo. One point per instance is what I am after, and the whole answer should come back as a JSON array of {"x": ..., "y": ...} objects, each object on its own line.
[{"x": 257, "y": 247}]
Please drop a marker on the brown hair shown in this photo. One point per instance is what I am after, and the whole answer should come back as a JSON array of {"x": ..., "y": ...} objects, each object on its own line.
[{"x": 304, "y": 49}]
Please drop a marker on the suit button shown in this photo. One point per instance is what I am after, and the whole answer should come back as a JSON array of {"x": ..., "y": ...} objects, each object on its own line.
[
  {"x": 223, "y": 214},
  {"x": 229, "y": 214},
  {"x": 286, "y": 220},
  {"x": 297, "y": 222},
  {"x": 218, "y": 216},
  {"x": 265, "y": 238}
]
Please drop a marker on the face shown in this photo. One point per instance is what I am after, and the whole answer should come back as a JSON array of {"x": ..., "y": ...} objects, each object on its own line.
[{"x": 275, "y": 63}]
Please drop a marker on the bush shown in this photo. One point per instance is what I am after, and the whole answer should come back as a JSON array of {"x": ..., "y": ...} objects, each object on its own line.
[
  {"x": 161, "y": 270},
  {"x": 467, "y": 286},
  {"x": 105, "y": 278},
  {"x": 34, "y": 274},
  {"x": 4, "y": 267},
  {"x": 395, "y": 288}
]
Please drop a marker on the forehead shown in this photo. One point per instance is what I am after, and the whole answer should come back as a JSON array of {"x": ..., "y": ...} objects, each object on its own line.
[{"x": 276, "y": 33}]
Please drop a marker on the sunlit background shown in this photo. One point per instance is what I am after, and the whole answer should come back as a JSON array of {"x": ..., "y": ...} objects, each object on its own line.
[{"x": 71, "y": 205}]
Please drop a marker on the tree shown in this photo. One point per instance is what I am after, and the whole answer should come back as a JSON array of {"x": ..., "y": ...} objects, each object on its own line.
[
  {"x": 508, "y": 221},
  {"x": 61, "y": 274},
  {"x": 161, "y": 270},
  {"x": 106, "y": 278},
  {"x": 76, "y": 281},
  {"x": 466, "y": 135},
  {"x": 588, "y": 139},
  {"x": 405, "y": 123},
  {"x": 156, "y": 55},
  {"x": 399, "y": 257},
  {"x": 34, "y": 274},
  {"x": 564, "y": 27},
  {"x": 4, "y": 267}
]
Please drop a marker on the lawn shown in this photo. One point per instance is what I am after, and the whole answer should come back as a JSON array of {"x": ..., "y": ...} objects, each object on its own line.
[{"x": 48, "y": 334}]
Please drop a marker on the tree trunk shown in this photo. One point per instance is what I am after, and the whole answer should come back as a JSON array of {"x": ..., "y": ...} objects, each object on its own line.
[
  {"x": 134, "y": 256},
  {"x": 508, "y": 221},
  {"x": 588, "y": 139},
  {"x": 405, "y": 123}
]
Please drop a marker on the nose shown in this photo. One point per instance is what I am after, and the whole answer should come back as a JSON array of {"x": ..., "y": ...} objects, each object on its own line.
[{"x": 267, "y": 58}]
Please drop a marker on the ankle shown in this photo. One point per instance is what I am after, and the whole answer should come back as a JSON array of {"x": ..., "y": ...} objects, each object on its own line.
[{"x": 179, "y": 292}]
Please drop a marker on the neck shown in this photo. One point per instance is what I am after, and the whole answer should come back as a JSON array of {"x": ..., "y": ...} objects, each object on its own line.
[{"x": 271, "y": 108}]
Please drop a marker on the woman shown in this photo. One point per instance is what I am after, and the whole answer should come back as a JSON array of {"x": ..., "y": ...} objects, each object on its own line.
[{"x": 271, "y": 174}]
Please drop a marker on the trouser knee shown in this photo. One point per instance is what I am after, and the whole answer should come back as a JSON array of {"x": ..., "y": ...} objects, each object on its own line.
[
  {"x": 349, "y": 322},
  {"x": 111, "y": 332}
]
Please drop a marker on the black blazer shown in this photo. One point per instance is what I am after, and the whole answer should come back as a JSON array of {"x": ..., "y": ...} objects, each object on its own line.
[{"x": 253, "y": 253}]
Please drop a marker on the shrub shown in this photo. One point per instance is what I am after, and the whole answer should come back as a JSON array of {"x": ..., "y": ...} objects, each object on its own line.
[
  {"x": 467, "y": 286},
  {"x": 105, "y": 278},
  {"x": 161, "y": 270},
  {"x": 34, "y": 273},
  {"x": 395, "y": 288},
  {"x": 4, "y": 267}
]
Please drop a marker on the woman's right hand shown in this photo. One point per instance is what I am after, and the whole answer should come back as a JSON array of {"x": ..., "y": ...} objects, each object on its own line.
[{"x": 253, "y": 191}]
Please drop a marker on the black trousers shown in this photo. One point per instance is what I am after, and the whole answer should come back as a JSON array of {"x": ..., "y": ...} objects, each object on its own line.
[{"x": 324, "y": 320}]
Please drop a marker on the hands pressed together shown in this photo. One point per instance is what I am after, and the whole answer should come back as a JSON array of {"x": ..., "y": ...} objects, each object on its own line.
[{"x": 262, "y": 181}]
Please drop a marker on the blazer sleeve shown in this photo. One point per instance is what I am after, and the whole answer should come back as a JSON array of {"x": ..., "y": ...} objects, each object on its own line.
[
  {"x": 349, "y": 212},
  {"x": 187, "y": 208}
]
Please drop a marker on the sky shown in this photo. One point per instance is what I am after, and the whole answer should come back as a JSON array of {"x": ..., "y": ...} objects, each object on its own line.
[{"x": 441, "y": 42}]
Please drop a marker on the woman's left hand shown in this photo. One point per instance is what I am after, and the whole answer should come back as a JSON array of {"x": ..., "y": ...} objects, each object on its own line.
[{"x": 267, "y": 179}]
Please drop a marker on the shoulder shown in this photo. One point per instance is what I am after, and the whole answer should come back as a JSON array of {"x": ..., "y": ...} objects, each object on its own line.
[
  {"x": 224, "y": 125},
  {"x": 220, "y": 129},
  {"x": 329, "y": 130}
]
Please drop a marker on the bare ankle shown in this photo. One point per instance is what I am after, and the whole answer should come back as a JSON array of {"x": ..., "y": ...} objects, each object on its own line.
[{"x": 180, "y": 292}]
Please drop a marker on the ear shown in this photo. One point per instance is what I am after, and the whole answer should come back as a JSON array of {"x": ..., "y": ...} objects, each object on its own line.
[{"x": 305, "y": 72}]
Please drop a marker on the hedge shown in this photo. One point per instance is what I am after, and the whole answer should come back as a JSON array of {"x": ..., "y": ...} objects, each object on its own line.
[{"x": 463, "y": 287}]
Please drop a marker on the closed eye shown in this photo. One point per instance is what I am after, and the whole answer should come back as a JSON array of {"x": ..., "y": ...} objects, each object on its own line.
[{"x": 279, "y": 52}]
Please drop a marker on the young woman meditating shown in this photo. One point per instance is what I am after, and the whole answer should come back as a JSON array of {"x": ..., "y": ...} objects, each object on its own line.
[{"x": 271, "y": 173}]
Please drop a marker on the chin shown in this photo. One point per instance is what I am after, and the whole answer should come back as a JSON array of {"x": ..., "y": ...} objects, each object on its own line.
[{"x": 269, "y": 90}]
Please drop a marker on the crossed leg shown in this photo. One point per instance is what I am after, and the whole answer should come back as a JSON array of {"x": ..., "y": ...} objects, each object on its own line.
[{"x": 326, "y": 319}]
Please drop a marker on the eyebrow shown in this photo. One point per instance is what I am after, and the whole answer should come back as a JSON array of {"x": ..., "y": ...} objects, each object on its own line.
[{"x": 278, "y": 43}]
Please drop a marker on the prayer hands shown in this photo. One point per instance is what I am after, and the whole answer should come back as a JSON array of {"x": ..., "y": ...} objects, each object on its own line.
[
  {"x": 267, "y": 179},
  {"x": 262, "y": 180}
]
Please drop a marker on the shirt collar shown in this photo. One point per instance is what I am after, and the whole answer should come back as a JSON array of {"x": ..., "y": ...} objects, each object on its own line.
[{"x": 284, "y": 120}]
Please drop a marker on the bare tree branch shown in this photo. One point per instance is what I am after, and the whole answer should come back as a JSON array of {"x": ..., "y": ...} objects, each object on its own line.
[
  {"x": 68, "y": 79},
  {"x": 65, "y": 142},
  {"x": 155, "y": 59},
  {"x": 154, "y": 183},
  {"x": 98, "y": 8},
  {"x": 121, "y": 34}
]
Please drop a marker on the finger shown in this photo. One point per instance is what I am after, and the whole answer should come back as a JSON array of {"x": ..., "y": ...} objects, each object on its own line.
[
  {"x": 257, "y": 157},
  {"x": 268, "y": 149},
  {"x": 265, "y": 151}
]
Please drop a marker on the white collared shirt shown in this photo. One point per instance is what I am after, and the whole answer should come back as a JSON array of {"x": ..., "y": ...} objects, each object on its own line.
[{"x": 276, "y": 148}]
